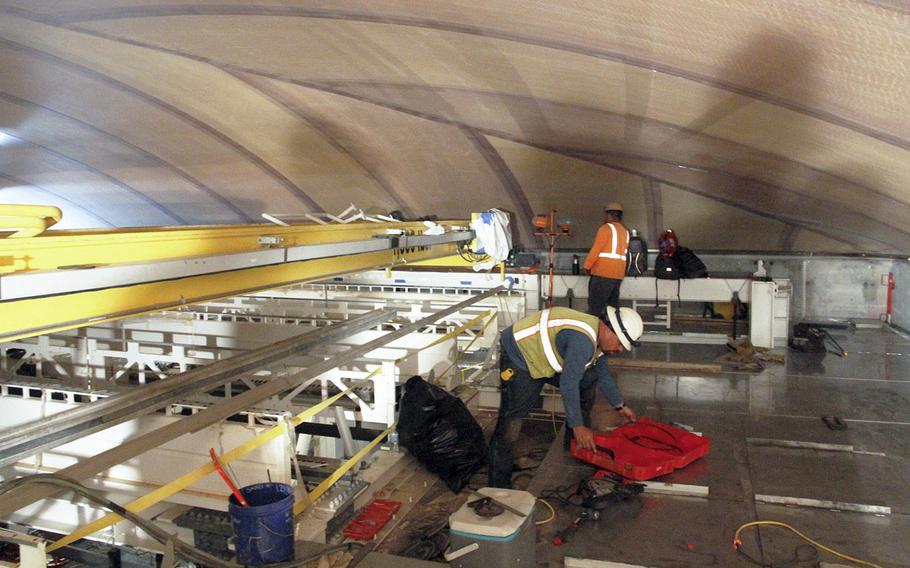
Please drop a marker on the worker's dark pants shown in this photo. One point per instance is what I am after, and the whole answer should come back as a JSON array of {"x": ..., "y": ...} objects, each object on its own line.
[
  {"x": 602, "y": 292},
  {"x": 519, "y": 395}
]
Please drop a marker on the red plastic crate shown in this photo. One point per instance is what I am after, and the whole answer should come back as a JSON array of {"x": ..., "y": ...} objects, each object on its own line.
[
  {"x": 644, "y": 449},
  {"x": 371, "y": 519}
]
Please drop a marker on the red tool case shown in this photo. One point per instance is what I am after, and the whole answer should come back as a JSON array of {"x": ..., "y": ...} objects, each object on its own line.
[
  {"x": 644, "y": 449},
  {"x": 371, "y": 520}
]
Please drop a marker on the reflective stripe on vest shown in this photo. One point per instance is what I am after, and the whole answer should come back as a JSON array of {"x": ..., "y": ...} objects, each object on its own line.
[
  {"x": 539, "y": 332},
  {"x": 614, "y": 253}
]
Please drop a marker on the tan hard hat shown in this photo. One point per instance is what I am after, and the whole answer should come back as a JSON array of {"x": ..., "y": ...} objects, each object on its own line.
[{"x": 613, "y": 206}]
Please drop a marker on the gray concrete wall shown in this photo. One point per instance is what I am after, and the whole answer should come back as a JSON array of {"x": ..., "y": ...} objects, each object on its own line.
[
  {"x": 901, "y": 315},
  {"x": 823, "y": 286}
]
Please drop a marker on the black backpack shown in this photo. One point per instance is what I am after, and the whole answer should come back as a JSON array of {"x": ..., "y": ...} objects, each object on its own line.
[
  {"x": 636, "y": 257},
  {"x": 667, "y": 268},
  {"x": 690, "y": 266}
]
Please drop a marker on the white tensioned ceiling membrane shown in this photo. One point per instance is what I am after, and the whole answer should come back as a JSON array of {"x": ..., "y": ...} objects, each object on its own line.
[{"x": 743, "y": 125}]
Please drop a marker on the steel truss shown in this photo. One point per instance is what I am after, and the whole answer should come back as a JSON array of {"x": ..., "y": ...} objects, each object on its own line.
[{"x": 378, "y": 356}]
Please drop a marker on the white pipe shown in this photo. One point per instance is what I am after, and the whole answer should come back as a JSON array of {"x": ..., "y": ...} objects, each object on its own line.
[{"x": 453, "y": 555}]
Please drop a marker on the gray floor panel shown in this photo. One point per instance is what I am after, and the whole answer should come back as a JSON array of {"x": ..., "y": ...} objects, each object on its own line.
[
  {"x": 658, "y": 531},
  {"x": 770, "y": 395},
  {"x": 832, "y": 476},
  {"x": 881, "y": 540},
  {"x": 870, "y": 389}
]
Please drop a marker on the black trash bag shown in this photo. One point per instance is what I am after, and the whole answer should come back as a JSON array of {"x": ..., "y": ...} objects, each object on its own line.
[{"x": 438, "y": 429}]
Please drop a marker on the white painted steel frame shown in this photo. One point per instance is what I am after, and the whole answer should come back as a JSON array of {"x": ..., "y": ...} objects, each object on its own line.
[
  {"x": 386, "y": 367},
  {"x": 181, "y": 338}
]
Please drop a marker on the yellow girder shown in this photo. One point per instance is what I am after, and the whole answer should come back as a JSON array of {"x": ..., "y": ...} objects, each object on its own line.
[
  {"x": 58, "y": 249},
  {"x": 61, "y": 250}
]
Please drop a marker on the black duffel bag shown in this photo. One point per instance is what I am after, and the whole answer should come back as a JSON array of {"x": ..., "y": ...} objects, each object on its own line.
[{"x": 808, "y": 338}]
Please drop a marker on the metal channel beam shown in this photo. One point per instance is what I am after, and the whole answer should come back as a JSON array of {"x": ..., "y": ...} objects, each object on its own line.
[
  {"x": 17, "y": 499},
  {"x": 51, "y": 283},
  {"x": 40, "y": 283},
  {"x": 31, "y": 438},
  {"x": 823, "y": 504},
  {"x": 58, "y": 250}
]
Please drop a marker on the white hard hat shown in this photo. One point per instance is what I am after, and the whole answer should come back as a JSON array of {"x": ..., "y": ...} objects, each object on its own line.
[{"x": 626, "y": 324}]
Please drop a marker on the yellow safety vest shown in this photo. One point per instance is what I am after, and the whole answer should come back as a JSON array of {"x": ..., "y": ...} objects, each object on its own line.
[{"x": 536, "y": 338}]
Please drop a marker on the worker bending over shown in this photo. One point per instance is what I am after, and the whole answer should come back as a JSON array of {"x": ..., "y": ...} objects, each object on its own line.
[
  {"x": 557, "y": 346},
  {"x": 606, "y": 261}
]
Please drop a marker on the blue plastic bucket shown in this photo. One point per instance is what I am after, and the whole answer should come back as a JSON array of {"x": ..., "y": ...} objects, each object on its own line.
[{"x": 264, "y": 531}]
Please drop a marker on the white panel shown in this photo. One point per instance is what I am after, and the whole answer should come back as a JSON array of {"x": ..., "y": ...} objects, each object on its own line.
[{"x": 761, "y": 332}]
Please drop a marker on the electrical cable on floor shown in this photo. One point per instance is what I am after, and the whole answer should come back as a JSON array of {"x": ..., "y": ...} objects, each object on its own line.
[
  {"x": 432, "y": 539},
  {"x": 187, "y": 551},
  {"x": 552, "y": 513},
  {"x": 558, "y": 494},
  {"x": 798, "y": 561},
  {"x": 738, "y": 543}
]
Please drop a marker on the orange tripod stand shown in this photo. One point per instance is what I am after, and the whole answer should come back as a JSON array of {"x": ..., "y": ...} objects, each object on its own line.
[{"x": 546, "y": 225}]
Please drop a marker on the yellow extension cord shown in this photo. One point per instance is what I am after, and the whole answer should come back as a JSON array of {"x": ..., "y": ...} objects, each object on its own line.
[
  {"x": 737, "y": 543},
  {"x": 552, "y": 513}
]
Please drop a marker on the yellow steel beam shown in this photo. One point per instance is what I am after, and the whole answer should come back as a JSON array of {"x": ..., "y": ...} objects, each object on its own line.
[
  {"x": 60, "y": 249},
  {"x": 34, "y": 316},
  {"x": 447, "y": 261}
]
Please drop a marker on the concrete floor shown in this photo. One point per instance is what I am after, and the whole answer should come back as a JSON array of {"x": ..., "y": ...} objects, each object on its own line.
[{"x": 870, "y": 389}]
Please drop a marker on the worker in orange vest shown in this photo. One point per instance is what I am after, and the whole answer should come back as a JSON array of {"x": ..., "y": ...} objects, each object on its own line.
[{"x": 606, "y": 262}]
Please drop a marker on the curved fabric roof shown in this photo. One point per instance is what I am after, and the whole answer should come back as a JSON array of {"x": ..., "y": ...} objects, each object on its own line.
[{"x": 779, "y": 125}]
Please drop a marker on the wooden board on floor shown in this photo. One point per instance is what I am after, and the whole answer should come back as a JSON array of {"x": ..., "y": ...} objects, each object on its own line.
[{"x": 621, "y": 363}]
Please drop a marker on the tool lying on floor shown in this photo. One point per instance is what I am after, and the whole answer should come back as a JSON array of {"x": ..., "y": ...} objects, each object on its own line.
[
  {"x": 605, "y": 489},
  {"x": 601, "y": 491},
  {"x": 644, "y": 449},
  {"x": 566, "y": 534}
]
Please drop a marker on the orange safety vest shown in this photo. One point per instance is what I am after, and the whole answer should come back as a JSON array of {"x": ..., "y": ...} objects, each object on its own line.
[{"x": 607, "y": 257}]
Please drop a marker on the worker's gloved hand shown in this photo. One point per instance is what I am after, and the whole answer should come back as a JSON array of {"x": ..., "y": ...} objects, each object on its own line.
[
  {"x": 584, "y": 438},
  {"x": 627, "y": 413}
]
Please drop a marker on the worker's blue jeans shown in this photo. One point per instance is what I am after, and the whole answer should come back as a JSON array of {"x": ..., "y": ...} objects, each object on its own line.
[{"x": 519, "y": 395}]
